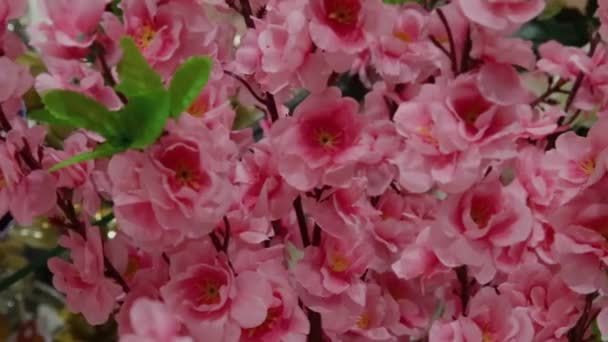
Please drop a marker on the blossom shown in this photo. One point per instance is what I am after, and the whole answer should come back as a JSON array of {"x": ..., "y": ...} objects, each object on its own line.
[
  {"x": 87, "y": 290},
  {"x": 338, "y": 25},
  {"x": 323, "y": 144},
  {"x": 472, "y": 226},
  {"x": 72, "y": 75},
  {"x": 163, "y": 31},
  {"x": 153, "y": 322},
  {"x": 501, "y": 14}
]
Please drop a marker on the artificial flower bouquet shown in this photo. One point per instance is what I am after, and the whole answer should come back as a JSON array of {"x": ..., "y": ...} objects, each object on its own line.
[{"x": 313, "y": 170}]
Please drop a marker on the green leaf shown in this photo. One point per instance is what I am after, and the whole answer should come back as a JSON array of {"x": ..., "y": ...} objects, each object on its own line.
[
  {"x": 144, "y": 118},
  {"x": 68, "y": 108},
  {"x": 102, "y": 151},
  {"x": 136, "y": 75},
  {"x": 188, "y": 82},
  {"x": 43, "y": 115}
]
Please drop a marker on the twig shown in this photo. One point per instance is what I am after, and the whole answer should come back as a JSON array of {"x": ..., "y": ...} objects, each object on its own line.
[
  {"x": 271, "y": 105},
  {"x": 216, "y": 242},
  {"x": 465, "y": 290},
  {"x": 550, "y": 91},
  {"x": 451, "y": 40},
  {"x": 577, "y": 333},
  {"x": 297, "y": 205},
  {"x": 247, "y": 85},
  {"x": 107, "y": 72},
  {"x": 227, "y": 237},
  {"x": 316, "y": 235},
  {"x": 247, "y": 13},
  {"x": 579, "y": 79},
  {"x": 440, "y": 46},
  {"x": 466, "y": 51}
]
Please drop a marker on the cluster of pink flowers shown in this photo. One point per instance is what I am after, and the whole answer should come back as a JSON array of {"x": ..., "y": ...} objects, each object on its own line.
[{"x": 452, "y": 203}]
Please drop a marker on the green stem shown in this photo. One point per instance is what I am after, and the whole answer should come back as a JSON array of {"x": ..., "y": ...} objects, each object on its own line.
[{"x": 32, "y": 267}]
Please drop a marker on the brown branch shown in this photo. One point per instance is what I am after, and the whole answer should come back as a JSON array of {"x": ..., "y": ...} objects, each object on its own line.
[
  {"x": 550, "y": 91},
  {"x": 451, "y": 40},
  {"x": 107, "y": 73},
  {"x": 579, "y": 79},
  {"x": 227, "y": 237},
  {"x": 247, "y": 13},
  {"x": 465, "y": 289},
  {"x": 271, "y": 105},
  {"x": 439, "y": 46},
  {"x": 247, "y": 85},
  {"x": 466, "y": 51},
  {"x": 577, "y": 333},
  {"x": 297, "y": 206}
]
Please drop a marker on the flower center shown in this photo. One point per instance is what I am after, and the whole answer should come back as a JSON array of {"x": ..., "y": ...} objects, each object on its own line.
[
  {"x": 343, "y": 13},
  {"x": 144, "y": 36},
  {"x": 339, "y": 263},
  {"x": 132, "y": 267},
  {"x": 327, "y": 140},
  {"x": 481, "y": 215},
  {"x": 186, "y": 176},
  {"x": 588, "y": 166},
  {"x": 403, "y": 36},
  {"x": 426, "y": 136},
  {"x": 210, "y": 292},
  {"x": 273, "y": 315},
  {"x": 487, "y": 337},
  {"x": 471, "y": 115},
  {"x": 363, "y": 321},
  {"x": 198, "y": 108}
]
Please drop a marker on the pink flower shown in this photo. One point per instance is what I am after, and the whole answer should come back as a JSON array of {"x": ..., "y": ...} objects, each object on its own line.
[
  {"x": 491, "y": 318},
  {"x": 380, "y": 313},
  {"x": 73, "y": 75},
  {"x": 266, "y": 193},
  {"x": 152, "y": 321},
  {"x": 133, "y": 209},
  {"x": 278, "y": 49},
  {"x": 200, "y": 294},
  {"x": 11, "y": 9},
  {"x": 553, "y": 307},
  {"x": 603, "y": 14},
  {"x": 501, "y": 14},
  {"x": 492, "y": 47},
  {"x": 321, "y": 139},
  {"x": 83, "y": 282},
  {"x": 178, "y": 188},
  {"x": 328, "y": 278},
  {"x": 541, "y": 183},
  {"x": 580, "y": 240},
  {"x": 580, "y": 160},
  {"x": 563, "y": 61},
  {"x": 15, "y": 81},
  {"x": 461, "y": 330},
  {"x": 339, "y": 25},
  {"x": 401, "y": 54},
  {"x": 77, "y": 30},
  {"x": 164, "y": 32},
  {"x": 284, "y": 320},
  {"x": 483, "y": 105},
  {"x": 26, "y": 195},
  {"x": 472, "y": 226}
]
